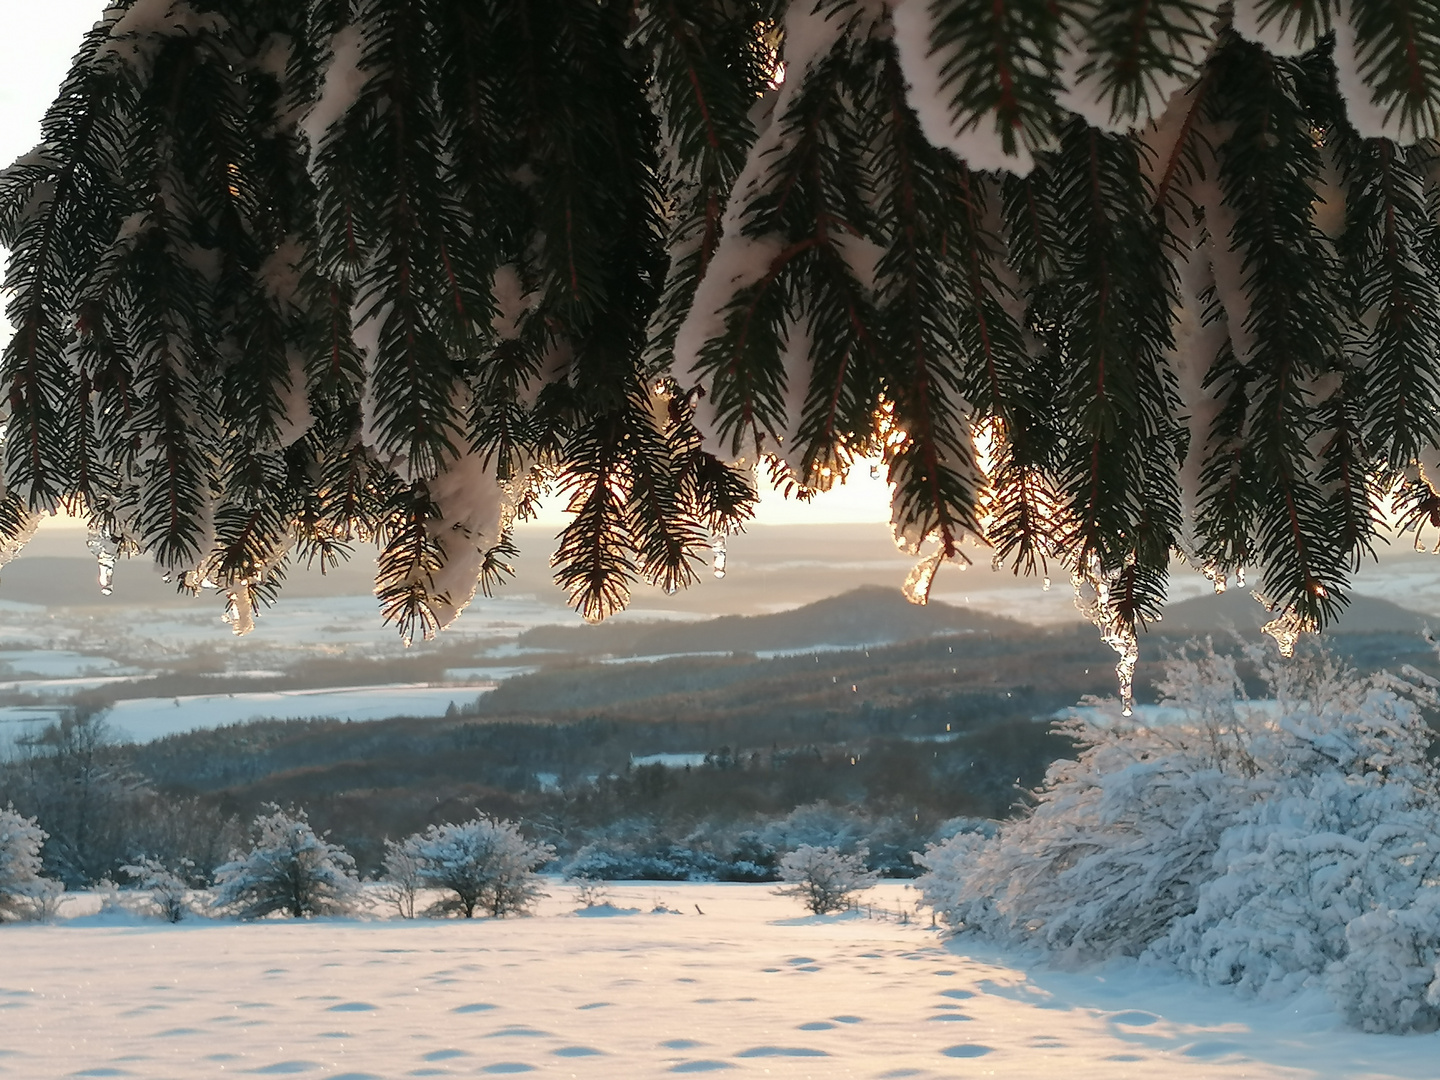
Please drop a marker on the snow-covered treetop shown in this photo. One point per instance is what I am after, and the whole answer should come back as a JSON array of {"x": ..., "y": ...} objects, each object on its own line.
[{"x": 1099, "y": 280}]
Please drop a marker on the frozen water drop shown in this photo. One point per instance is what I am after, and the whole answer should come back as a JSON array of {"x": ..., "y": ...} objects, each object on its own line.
[
  {"x": 718, "y": 547},
  {"x": 103, "y": 546},
  {"x": 874, "y": 472},
  {"x": 1240, "y": 577},
  {"x": 1046, "y": 583}
]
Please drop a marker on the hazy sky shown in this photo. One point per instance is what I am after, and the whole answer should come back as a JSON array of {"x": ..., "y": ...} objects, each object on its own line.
[{"x": 35, "y": 52}]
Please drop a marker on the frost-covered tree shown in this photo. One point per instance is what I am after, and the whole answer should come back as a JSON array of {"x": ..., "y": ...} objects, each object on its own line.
[
  {"x": 401, "y": 882},
  {"x": 1098, "y": 281},
  {"x": 288, "y": 869},
  {"x": 825, "y": 879},
  {"x": 20, "y": 843},
  {"x": 484, "y": 864},
  {"x": 169, "y": 891},
  {"x": 1264, "y": 845}
]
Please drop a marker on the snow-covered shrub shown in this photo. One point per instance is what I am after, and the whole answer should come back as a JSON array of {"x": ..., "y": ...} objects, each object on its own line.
[
  {"x": 20, "y": 882},
  {"x": 485, "y": 863},
  {"x": 1265, "y": 845},
  {"x": 824, "y": 879},
  {"x": 289, "y": 869},
  {"x": 818, "y": 825},
  {"x": 402, "y": 881},
  {"x": 169, "y": 891}
]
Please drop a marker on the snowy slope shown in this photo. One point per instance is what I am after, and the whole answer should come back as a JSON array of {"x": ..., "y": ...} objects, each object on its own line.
[{"x": 747, "y": 988}]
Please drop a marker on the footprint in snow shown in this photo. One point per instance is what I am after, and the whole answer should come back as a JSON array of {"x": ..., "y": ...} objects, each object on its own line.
[
  {"x": 176, "y": 1032},
  {"x": 355, "y": 1076},
  {"x": 1125, "y": 1057},
  {"x": 700, "y": 1066},
  {"x": 681, "y": 1044},
  {"x": 103, "y": 1070},
  {"x": 508, "y": 1067},
  {"x": 479, "y": 1006},
  {"x": 593, "y": 1005},
  {"x": 514, "y": 1031},
  {"x": 815, "y": 1025},
  {"x": 781, "y": 1051},
  {"x": 353, "y": 1006},
  {"x": 1134, "y": 1018},
  {"x": 848, "y": 1019},
  {"x": 967, "y": 1050},
  {"x": 895, "y": 1074},
  {"x": 1210, "y": 1049},
  {"x": 578, "y": 1051},
  {"x": 445, "y": 1055},
  {"x": 957, "y": 995},
  {"x": 286, "y": 1068},
  {"x": 950, "y": 1018}
]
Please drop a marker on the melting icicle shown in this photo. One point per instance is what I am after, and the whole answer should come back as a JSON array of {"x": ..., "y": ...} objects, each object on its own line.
[
  {"x": 1287, "y": 629},
  {"x": 239, "y": 609},
  {"x": 103, "y": 546},
  {"x": 1045, "y": 584},
  {"x": 1216, "y": 577},
  {"x": 718, "y": 546},
  {"x": 1092, "y": 600},
  {"x": 922, "y": 577}
]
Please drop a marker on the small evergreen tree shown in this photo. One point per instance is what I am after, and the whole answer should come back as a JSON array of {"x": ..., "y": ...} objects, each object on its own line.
[
  {"x": 20, "y": 882},
  {"x": 485, "y": 864},
  {"x": 825, "y": 879},
  {"x": 288, "y": 869}
]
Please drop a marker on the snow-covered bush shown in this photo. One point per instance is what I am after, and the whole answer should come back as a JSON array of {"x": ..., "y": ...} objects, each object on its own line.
[
  {"x": 484, "y": 863},
  {"x": 169, "y": 891},
  {"x": 824, "y": 879},
  {"x": 401, "y": 883},
  {"x": 1265, "y": 845},
  {"x": 20, "y": 882},
  {"x": 289, "y": 869}
]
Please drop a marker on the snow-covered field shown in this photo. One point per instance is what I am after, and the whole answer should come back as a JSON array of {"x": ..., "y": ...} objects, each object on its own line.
[{"x": 747, "y": 988}]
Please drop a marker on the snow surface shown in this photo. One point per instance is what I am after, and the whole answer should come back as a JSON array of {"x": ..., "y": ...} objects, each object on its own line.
[
  {"x": 144, "y": 719},
  {"x": 750, "y": 988}
]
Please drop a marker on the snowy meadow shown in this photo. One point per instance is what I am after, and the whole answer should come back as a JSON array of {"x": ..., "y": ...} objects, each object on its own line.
[{"x": 669, "y": 978}]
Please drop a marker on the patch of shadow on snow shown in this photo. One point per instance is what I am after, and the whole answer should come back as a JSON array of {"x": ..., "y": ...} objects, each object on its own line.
[
  {"x": 508, "y": 1067},
  {"x": 518, "y": 1032},
  {"x": 781, "y": 1051},
  {"x": 1211, "y": 1049},
  {"x": 353, "y": 1006},
  {"x": 594, "y": 1005},
  {"x": 285, "y": 1068},
  {"x": 578, "y": 1051},
  {"x": 967, "y": 1050},
  {"x": 1134, "y": 1018},
  {"x": 815, "y": 1025},
  {"x": 479, "y": 1006},
  {"x": 957, "y": 995},
  {"x": 445, "y": 1055},
  {"x": 103, "y": 1070},
  {"x": 703, "y": 1065},
  {"x": 681, "y": 1044}
]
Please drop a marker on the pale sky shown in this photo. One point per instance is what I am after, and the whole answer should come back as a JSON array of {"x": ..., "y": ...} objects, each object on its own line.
[{"x": 35, "y": 50}]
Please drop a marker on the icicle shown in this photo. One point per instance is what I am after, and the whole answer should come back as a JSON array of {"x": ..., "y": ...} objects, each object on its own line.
[
  {"x": 1287, "y": 630},
  {"x": 922, "y": 577},
  {"x": 1045, "y": 583},
  {"x": 102, "y": 545},
  {"x": 1240, "y": 577},
  {"x": 240, "y": 609},
  {"x": 718, "y": 547},
  {"x": 1216, "y": 577},
  {"x": 1092, "y": 600},
  {"x": 1287, "y": 627}
]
